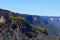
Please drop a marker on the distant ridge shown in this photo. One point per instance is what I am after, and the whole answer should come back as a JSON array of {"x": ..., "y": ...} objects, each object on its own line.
[{"x": 43, "y": 21}]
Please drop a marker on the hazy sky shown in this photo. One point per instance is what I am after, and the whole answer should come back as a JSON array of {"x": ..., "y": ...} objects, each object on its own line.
[{"x": 33, "y": 7}]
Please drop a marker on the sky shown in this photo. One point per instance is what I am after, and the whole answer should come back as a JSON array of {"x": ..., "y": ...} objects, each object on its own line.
[{"x": 32, "y": 7}]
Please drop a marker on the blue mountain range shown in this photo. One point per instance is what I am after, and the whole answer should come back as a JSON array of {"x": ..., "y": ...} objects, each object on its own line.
[{"x": 51, "y": 23}]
